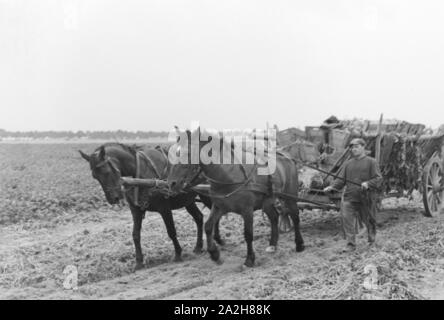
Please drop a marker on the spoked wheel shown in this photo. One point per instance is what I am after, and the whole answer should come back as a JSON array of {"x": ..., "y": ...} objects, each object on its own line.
[
  {"x": 285, "y": 223},
  {"x": 433, "y": 187}
]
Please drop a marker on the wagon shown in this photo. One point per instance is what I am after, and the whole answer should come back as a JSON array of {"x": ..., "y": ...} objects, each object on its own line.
[{"x": 409, "y": 160}]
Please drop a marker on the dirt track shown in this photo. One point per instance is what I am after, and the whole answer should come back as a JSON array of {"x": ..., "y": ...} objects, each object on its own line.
[
  {"x": 53, "y": 214},
  {"x": 409, "y": 257}
]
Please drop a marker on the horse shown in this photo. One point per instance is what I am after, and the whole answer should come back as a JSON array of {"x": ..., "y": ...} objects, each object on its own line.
[
  {"x": 240, "y": 189},
  {"x": 111, "y": 161}
]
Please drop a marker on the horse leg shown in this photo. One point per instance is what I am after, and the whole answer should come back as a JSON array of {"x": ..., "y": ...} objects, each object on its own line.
[
  {"x": 137, "y": 226},
  {"x": 167, "y": 217},
  {"x": 207, "y": 202},
  {"x": 217, "y": 236},
  {"x": 248, "y": 234},
  {"x": 198, "y": 218},
  {"x": 294, "y": 215},
  {"x": 212, "y": 249},
  {"x": 273, "y": 216}
]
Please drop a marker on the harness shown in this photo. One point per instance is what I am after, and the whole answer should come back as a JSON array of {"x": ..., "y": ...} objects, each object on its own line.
[
  {"x": 248, "y": 181},
  {"x": 267, "y": 190},
  {"x": 156, "y": 171}
]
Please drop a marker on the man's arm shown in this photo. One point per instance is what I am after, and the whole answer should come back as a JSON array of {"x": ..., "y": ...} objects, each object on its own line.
[{"x": 338, "y": 184}]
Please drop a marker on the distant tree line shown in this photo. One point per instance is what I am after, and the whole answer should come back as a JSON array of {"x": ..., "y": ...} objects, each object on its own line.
[{"x": 118, "y": 134}]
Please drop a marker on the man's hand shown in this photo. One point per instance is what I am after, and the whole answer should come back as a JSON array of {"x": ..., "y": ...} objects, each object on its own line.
[
  {"x": 364, "y": 185},
  {"x": 323, "y": 156}
]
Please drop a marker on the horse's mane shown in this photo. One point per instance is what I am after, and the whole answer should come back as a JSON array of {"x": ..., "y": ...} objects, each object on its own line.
[{"x": 131, "y": 148}]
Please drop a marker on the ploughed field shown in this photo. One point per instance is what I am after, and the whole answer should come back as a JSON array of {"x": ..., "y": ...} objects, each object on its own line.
[{"x": 53, "y": 215}]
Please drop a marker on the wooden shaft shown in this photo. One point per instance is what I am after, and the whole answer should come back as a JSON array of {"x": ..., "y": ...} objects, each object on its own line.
[
  {"x": 144, "y": 182},
  {"x": 378, "y": 141}
]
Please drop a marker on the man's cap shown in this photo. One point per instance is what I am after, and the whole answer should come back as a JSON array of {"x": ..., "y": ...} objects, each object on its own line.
[
  {"x": 331, "y": 119},
  {"x": 357, "y": 141}
]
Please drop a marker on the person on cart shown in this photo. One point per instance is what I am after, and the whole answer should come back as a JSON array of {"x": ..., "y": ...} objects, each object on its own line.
[{"x": 361, "y": 177}]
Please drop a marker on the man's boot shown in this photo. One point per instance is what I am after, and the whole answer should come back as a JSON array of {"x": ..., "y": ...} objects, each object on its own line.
[
  {"x": 372, "y": 235},
  {"x": 350, "y": 247}
]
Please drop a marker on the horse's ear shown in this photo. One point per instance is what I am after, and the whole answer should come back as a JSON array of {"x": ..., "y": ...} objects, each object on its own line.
[
  {"x": 177, "y": 133},
  {"x": 85, "y": 156},
  {"x": 102, "y": 153}
]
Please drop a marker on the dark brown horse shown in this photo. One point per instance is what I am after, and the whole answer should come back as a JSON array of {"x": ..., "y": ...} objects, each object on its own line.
[
  {"x": 240, "y": 189},
  {"x": 112, "y": 161}
]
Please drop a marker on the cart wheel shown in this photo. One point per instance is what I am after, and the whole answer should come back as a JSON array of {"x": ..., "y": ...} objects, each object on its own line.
[
  {"x": 285, "y": 223},
  {"x": 433, "y": 187}
]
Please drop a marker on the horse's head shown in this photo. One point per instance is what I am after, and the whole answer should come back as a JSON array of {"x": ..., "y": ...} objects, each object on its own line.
[
  {"x": 105, "y": 169},
  {"x": 184, "y": 170},
  {"x": 183, "y": 176}
]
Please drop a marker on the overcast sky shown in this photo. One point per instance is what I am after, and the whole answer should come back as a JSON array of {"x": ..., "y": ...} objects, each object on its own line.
[{"x": 148, "y": 65}]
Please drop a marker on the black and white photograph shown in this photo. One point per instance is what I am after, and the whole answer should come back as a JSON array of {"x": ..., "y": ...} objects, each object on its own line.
[{"x": 221, "y": 155}]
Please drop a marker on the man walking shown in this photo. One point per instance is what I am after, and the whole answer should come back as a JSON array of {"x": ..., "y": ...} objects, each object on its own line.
[{"x": 362, "y": 178}]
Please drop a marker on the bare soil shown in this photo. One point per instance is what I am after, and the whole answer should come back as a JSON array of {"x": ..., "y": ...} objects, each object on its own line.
[
  {"x": 53, "y": 215},
  {"x": 408, "y": 256}
]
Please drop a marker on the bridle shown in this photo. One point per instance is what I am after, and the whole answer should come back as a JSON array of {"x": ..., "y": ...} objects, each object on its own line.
[
  {"x": 109, "y": 162},
  {"x": 193, "y": 179},
  {"x": 138, "y": 154}
]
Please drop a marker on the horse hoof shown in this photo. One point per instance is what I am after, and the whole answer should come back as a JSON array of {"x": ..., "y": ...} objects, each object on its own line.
[
  {"x": 249, "y": 263},
  {"x": 215, "y": 255},
  {"x": 178, "y": 259},
  {"x": 139, "y": 266},
  {"x": 198, "y": 250},
  {"x": 220, "y": 242},
  {"x": 270, "y": 249},
  {"x": 300, "y": 248},
  {"x": 219, "y": 261}
]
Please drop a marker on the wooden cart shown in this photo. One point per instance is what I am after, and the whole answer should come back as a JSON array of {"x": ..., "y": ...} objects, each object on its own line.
[{"x": 332, "y": 145}]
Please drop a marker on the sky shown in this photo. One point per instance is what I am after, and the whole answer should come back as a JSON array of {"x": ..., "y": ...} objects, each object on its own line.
[{"x": 150, "y": 65}]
